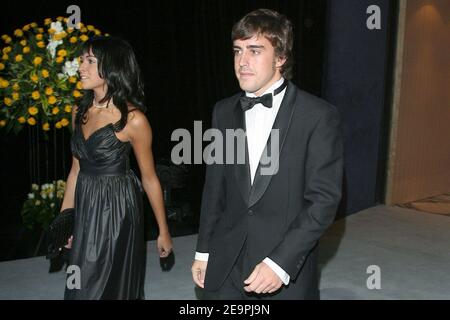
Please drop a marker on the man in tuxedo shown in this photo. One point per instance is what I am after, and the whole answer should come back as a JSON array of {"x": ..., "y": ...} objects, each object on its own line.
[{"x": 259, "y": 232}]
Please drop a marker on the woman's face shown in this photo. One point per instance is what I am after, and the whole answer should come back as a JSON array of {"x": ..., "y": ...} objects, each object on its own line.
[{"x": 89, "y": 75}]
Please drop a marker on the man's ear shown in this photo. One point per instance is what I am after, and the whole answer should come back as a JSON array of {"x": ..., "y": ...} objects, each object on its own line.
[{"x": 280, "y": 61}]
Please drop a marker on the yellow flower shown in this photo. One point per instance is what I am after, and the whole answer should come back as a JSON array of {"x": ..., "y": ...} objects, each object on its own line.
[
  {"x": 62, "y": 53},
  {"x": 26, "y": 28},
  {"x": 2, "y": 123},
  {"x": 76, "y": 93},
  {"x": 34, "y": 78},
  {"x": 83, "y": 30},
  {"x": 7, "y": 50},
  {"x": 4, "y": 37},
  {"x": 59, "y": 60},
  {"x": 52, "y": 100},
  {"x": 8, "y": 101},
  {"x": 41, "y": 30},
  {"x": 64, "y": 122},
  {"x": 90, "y": 28},
  {"x": 33, "y": 24},
  {"x": 79, "y": 85},
  {"x": 5, "y": 57},
  {"x": 15, "y": 96},
  {"x": 68, "y": 108},
  {"x": 58, "y": 125},
  {"x": 70, "y": 30},
  {"x": 4, "y": 83},
  {"x": 18, "y": 33},
  {"x": 55, "y": 110},
  {"x": 59, "y": 36},
  {"x": 46, "y": 126},
  {"x": 39, "y": 37},
  {"x": 2, "y": 66},
  {"x": 8, "y": 40},
  {"x": 72, "y": 79},
  {"x": 41, "y": 44},
  {"x": 33, "y": 111},
  {"x": 37, "y": 61},
  {"x": 16, "y": 87},
  {"x": 60, "y": 18},
  {"x": 51, "y": 31},
  {"x": 73, "y": 39},
  {"x": 45, "y": 73},
  {"x": 19, "y": 58},
  {"x": 97, "y": 32},
  {"x": 84, "y": 38},
  {"x": 31, "y": 121},
  {"x": 21, "y": 120},
  {"x": 48, "y": 21},
  {"x": 26, "y": 49},
  {"x": 35, "y": 95},
  {"x": 23, "y": 43},
  {"x": 48, "y": 91}
]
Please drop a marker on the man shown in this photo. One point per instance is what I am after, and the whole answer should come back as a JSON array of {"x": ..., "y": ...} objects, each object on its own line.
[{"x": 259, "y": 232}]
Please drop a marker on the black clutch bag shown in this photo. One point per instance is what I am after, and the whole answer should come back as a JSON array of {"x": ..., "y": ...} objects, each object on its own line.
[
  {"x": 167, "y": 262},
  {"x": 59, "y": 232}
]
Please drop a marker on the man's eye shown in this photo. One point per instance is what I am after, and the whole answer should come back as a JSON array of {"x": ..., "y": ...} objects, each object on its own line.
[
  {"x": 236, "y": 52},
  {"x": 256, "y": 52}
]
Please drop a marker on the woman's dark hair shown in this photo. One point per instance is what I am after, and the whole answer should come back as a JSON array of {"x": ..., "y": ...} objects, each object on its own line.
[
  {"x": 275, "y": 27},
  {"x": 118, "y": 66}
]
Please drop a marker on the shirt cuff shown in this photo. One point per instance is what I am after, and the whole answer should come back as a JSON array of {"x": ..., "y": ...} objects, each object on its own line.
[
  {"x": 201, "y": 256},
  {"x": 277, "y": 269}
]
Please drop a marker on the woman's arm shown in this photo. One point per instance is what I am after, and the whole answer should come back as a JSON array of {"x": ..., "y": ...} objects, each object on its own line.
[{"x": 140, "y": 136}]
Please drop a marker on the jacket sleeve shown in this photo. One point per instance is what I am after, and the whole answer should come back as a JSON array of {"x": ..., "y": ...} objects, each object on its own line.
[
  {"x": 323, "y": 186},
  {"x": 213, "y": 198}
]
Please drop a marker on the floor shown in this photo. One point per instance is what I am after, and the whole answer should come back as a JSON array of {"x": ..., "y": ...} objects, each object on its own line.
[{"x": 410, "y": 250}]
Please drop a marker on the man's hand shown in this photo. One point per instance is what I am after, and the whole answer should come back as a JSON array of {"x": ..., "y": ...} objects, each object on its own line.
[
  {"x": 198, "y": 272},
  {"x": 262, "y": 280}
]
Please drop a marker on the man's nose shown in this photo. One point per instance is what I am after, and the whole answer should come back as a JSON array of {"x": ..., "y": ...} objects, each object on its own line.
[{"x": 243, "y": 60}]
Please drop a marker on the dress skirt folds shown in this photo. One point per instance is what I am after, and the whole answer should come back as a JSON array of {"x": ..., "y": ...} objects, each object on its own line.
[{"x": 108, "y": 243}]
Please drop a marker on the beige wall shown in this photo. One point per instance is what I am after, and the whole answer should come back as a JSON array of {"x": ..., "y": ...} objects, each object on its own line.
[{"x": 419, "y": 164}]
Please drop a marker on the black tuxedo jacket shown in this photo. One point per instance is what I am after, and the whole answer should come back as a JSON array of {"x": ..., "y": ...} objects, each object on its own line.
[{"x": 280, "y": 216}]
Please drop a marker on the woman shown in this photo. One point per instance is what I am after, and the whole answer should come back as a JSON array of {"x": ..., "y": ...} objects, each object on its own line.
[{"x": 108, "y": 242}]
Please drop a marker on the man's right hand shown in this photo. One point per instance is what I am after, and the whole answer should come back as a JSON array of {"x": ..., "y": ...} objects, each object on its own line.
[{"x": 198, "y": 272}]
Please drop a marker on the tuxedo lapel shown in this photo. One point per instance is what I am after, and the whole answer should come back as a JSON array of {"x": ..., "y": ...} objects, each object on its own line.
[
  {"x": 242, "y": 171},
  {"x": 282, "y": 122}
]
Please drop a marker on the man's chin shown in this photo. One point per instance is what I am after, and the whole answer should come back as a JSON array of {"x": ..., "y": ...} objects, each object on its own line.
[{"x": 245, "y": 86}]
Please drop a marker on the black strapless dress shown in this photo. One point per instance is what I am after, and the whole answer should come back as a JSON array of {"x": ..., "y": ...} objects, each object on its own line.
[{"x": 108, "y": 239}]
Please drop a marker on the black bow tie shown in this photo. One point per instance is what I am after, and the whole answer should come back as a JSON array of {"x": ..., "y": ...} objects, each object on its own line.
[
  {"x": 266, "y": 100},
  {"x": 247, "y": 103}
]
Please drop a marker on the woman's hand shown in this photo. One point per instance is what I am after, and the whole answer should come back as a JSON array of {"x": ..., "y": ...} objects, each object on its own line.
[
  {"x": 164, "y": 243},
  {"x": 69, "y": 243}
]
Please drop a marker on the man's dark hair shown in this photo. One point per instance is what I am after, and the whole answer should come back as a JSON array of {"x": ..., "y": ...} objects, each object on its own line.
[{"x": 275, "y": 27}]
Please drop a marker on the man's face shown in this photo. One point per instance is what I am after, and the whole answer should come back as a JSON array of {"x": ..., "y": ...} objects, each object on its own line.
[{"x": 255, "y": 64}]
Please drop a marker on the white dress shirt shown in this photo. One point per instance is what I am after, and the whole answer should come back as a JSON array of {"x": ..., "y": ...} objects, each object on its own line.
[{"x": 259, "y": 122}]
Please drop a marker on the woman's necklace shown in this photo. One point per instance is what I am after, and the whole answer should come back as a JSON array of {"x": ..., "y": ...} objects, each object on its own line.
[{"x": 100, "y": 106}]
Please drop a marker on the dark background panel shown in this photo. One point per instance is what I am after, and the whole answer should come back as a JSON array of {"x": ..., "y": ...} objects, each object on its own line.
[{"x": 357, "y": 77}]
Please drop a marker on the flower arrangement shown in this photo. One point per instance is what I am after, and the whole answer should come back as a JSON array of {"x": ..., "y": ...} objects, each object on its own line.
[
  {"x": 38, "y": 74},
  {"x": 43, "y": 204}
]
